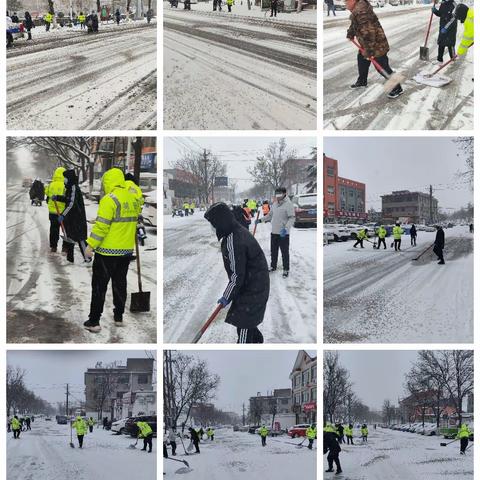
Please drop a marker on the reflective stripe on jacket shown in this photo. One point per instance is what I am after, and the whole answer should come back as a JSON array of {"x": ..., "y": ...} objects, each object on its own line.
[{"x": 468, "y": 33}]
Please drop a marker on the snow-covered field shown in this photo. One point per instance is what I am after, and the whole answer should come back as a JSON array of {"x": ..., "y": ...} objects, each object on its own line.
[
  {"x": 420, "y": 107},
  {"x": 240, "y": 456},
  {"x": 48, "y": 299},
  {"x": 67, "y": 79},
  {"x": 194, "y": 279},
  {"x": 383, "y": 296},
  {"x": 395, "y": 455},
  {"x": 238, "y": 72},
  {"x": 44, "y": 453}
]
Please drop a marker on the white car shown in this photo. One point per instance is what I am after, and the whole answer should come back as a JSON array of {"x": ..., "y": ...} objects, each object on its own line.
[
  {"x": 339, "y": 4},
  {"x": 149, "y": 211},
  {"x": 119, "y": 426},
  {"x": 377, "y": 3},
  {"x": 430, "y": 429}
]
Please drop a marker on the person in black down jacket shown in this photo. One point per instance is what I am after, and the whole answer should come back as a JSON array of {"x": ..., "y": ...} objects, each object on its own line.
[
  {"x": 74, "y": 217},
  {"x": 28, "y": 24},
  {"x": 447, "y": 35},
  {"x": 439, "y": 245},
  {"x": 246, "y": 266}
]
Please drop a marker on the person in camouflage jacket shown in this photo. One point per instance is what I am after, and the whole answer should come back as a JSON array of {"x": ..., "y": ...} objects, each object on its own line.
[{"x": 366, "y": 27}]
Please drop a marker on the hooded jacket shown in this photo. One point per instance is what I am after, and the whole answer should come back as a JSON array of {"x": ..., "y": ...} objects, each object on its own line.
[
  {"x": 116, "y": 225},
  {"x": 75, "y": 220},
  {"x": 248, "y": 285},
  {"x": 37, "y": 190},
  {"x": 56, "y": 189},
  {"x": 282, "y": 215},
  {"x": 446, "y": 11},
  {"x": 440, "y": 239}
]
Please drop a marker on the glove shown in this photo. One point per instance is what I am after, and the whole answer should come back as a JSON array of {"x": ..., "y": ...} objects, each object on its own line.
[
  {"x": 89, "y": 252},
  {"x": 433, "y": 9},
  {"x": 60, "y": 218},
  {"x": 283, "y": 232},
  {"x": 223, "y": 302},
  {"x": 54, "y": 198},
  {"x": 443, "y": 30},
  {"x": 257, "y": 221}
]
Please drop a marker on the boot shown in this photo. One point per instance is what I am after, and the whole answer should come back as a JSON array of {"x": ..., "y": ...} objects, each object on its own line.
[
  {"x": 358, "y": 84},
  {"x": 272, "y": 269},
  {"x": 285, "y": 274},
  {"x": 396, "y": 92},
  {"x": 92, "y": 326},
  {"x": 329, "y": 470}
]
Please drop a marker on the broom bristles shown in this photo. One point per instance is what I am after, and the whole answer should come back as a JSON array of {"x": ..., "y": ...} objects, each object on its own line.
[{"x": 393, "y": 81}]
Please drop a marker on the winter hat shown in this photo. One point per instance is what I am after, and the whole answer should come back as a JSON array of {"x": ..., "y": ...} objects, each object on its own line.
[
  {"x": 461, "y": 12},
  {"x": 221, "y": 218}
]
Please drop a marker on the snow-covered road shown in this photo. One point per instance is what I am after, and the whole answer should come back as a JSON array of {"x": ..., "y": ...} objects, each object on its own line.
[
  {"x": 383, "y": 296},
  {"x": 44, "y": 453},
  {"x": 420, "y": 107},
  {"x": 48, "y": 299},
  {"x": 238, "y": 73},
  {"x": 194, "y": 278},
  {"x": 395, "y": 455},
  {"x": 240, "y": 456},
  {"x": 72, "y": 80}
]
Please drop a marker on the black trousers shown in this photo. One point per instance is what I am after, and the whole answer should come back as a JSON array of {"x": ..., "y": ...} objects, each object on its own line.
[
  {"x": 70, "y": 247},
  {"x": 349, "y": 440},
  {"x": 397, "y": 242},
  {"x": 359, "y": 241},
  {"x": 380, "y": 242},
  {"x": 463, "y": 444},
  {"x": 173, "y": 444},
  {"x": 80, "y": 440},
  {"x": 165, "y": 451},
  {"x": 249, "y": 335},
  {"x": 441, "y": 51},
  {"x": 310, "y": 443},
  {"x": 47, "y": 27},
  {"x": 332, "y": 8},
  {"x": 90, "y": 428},
  {"x": 54, "y": 230},
  {"x": 147, "y": 441},
  {"x": 364, "y": 65},
  {"x": 413, "y": 241},
  {"x": 264, "y": 441},
  {"x": 105, "y": 269},
  {"x": 333, "y": 457},
  {"x": 273, "y": 10},
  {"x": 195, "y": 444},
  {"x": 438, "y": 252},
  {"x": 16, "y": 433},
  {"x": 229, "y": 8},
  {"x": 277, "y": 242}
]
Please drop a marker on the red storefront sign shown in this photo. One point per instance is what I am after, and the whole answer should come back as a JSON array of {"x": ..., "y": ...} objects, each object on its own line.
[{"x": 308, "y": 407}]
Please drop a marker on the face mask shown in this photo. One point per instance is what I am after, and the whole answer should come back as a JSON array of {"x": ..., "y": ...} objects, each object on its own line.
[
  {"x": 279, "y": 197},
  {"x": 65, "y": 180}
]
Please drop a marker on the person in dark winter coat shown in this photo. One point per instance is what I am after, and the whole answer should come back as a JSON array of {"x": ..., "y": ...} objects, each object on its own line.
[
  {"x": 28, "y": 24},
  {"x": 14, "y": 18},
  {"x": 330, "y": 7},
  {"x": 273, "y": 8},
  {"x": 37, "y": 192},
  {"x": 246, "y": 266},
  {"x": 439, "y": 245},
  {"x": 74, "y": 217},
  {"x": 447, "y": 35},
  {"x": 241, "y": 216},
  {"x": 194, "y": 438},
  {"x": 370, "y": 35},
  {"x": 413, "y": 235},
  {"x": 117, "y": 16},
  {"x": 331, "y": 445}
]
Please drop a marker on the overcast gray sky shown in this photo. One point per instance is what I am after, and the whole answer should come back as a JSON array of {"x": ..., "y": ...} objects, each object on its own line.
[
  {"x": 238, "y": 153},
  {"x": 244, "y": 373},
  {"x": 385, "y": 164},
  {"x": 47, "y": 372},
  {"x": 377, "y": 375}
]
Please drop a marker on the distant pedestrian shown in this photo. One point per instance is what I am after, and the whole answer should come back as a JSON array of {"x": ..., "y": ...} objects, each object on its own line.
[
  {"x": 150, "y": 14},
  {"x": 349, "y": 434},
  {"x": 273, "y": 8},
  {"x": 145, "y": 431},
  {"x": 16, "y": 426},
  {"x": 361, "y": 236},
  {"x": 340, "y": 430},
  {"x": 48, "y": 19},
  {"x": 91, "y": 422},
  {"x": 263, "y": 432},
  {"x": 229, "y": 5},
  {"x": 248, "y": 285},
  {"x": 210, "y": 433},
  {"x": 381, "y": 234},
  {"x": 413, "y": 235},
  {"x": 165, "y": 444},
  {"x": 194, "y": 439},
  {"x": 27, "y": 423},
  {"x": 105, "y": 422},
  {"x": 447, "y": 35},
  {"x": 311, "y": 434},
  {"x": 471, "y": 228},
  {"x": 28, "y": 24},
  {"x": 172, "y": 438},
  {"x": 186, "y": 5},
  {"x": 186, "y": 208},
  {"x": 463, "y": 435},
  {"x": 364, "y": 432},
  {"x": 439, "y": 245},
  {"x": 397, "y": 236},
  {"x": 81, "y": 20},
  {"x": 331, "y": 445},
  {"x": 117, "y": 16},
  {"x": 15, "y": 18},
  {"x": 330, "y": 7},
  {"x": 81, "y": 428},
  {"x": 37, "y": 192}
]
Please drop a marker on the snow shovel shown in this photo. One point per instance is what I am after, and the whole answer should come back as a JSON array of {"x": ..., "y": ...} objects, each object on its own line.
[
  {"x": 443, "y": 444},
  {"x": 425, "y": 51},
  {"x": 133, "y": 445},
  {"x": 424, "y": 252},
  {"x": 71, "y": 436},
  {"x": 469, "y": 447},
  {"x": 392, "y": 80},
  {"x": 140, "y": 301},
  {"x": 183, "y": 445},
  {"x": 190, "y": 447},
  {"x": 300, "y": 445},
  {"x": 255, "y": 227},
  {"x": 212, "y": 317},
  {"x": 177, "y": 460},
  {"x": 64, "y": 236}
]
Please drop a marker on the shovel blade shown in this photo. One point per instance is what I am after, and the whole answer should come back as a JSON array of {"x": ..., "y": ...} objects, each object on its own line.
[
  {"x": 66, "y": 239},
  {"x": 140, "y": 302},
  {"x": 424, "y": 54},
  {"x": 72, "y": 445}
]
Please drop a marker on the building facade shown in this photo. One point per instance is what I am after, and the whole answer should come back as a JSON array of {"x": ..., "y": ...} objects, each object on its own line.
[
  {"x": 410, "y": 207},
  {"x": 343, "y": 199},
  {"x": 304, "y": 388}
]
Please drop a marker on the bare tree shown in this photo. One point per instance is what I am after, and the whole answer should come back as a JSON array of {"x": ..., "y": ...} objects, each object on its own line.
[
  {"x": 105, "y": 388},
  {"x": 15, "y": 386},
  {"x": 465, "y": 146},
  {"x": 336, "y": 385}
]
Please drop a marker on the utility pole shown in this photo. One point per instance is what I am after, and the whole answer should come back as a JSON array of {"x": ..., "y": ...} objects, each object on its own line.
[
  {"x": 137, "y": 147},
  {"x": 66, "y": 403},
  {"x": 243, "y": 414},
  {"x": 431, "y": 205},
  {"x": 205, "y": 161}
]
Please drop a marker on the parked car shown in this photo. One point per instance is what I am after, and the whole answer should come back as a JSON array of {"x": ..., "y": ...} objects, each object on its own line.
[
  {"x": 430, "y": 429},
  {"x": 14, "y": 31},
  {"x": 253, "y": 428},
  {"x": 149, "y": 212},
  {"x": 131, "y": 424},
  {"x": 377, "y": 3},
  {"x": 119, "y": 426},
  {"x": 148, "y": 181},
  {"x": 62, "y": 419},
  {"x": 298, "y": 430},
  {"x": 339, "y": 4},
  {"x": 305, "y": 209}
]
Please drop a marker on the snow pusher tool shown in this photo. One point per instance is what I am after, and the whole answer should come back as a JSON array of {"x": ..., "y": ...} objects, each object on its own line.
[
  {"x": 133, "y": 445},
  {"x": 392, "y": 80},
  {"x": 140, "y": 301},
  {"x": 424, "y": 78},
  {"x": 469, "y": 447},
  {"x": 443, "y": 444},
  {"x": 183, "y": 445},
  {"x": 178, "y": 460},
  {"x": 212, "y": 317},
  {"x": 71, "y": 435},
  {"x": 423, "y": 253},
  {"x": 255, "y": 227},
  {"x": 425, "y": 51},
  {"x": 300, "y": 445},
  {"x": 62, "y": 226}
]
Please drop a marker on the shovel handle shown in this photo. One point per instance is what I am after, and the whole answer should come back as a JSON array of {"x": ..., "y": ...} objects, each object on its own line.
[
  {"x": 139, "y": 272},
  {"x": 212, "y": 317},
  {"x": 377, "y": 66},
  {"x": 255, "y": 227},
  {"x": 429, "y": 25},
  {"x": 58, "y": 213}
]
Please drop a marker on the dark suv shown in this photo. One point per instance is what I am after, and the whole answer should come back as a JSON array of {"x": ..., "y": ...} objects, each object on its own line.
[{"x": 131, "y": 424}]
